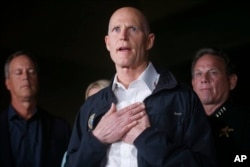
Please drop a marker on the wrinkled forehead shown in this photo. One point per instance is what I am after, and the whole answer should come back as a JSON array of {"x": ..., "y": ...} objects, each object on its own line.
[
  {"x": 22, "y": 60},
  {"x": 210, "y": 58},
  {"x": 127, "y": 14},
  {"x": 210, "y": 61}
]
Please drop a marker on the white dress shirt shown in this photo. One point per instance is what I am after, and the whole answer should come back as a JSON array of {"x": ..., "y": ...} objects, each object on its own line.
[{"x": 121, "y": 154}]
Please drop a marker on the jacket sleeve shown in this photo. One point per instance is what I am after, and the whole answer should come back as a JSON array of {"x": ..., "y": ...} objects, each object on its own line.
[{"x": 84, "y": 149}]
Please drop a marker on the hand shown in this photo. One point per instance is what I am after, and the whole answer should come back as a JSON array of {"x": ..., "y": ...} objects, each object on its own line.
[
  {"x": 142, "y": 124},
  {"x": 115, "y": 124}
]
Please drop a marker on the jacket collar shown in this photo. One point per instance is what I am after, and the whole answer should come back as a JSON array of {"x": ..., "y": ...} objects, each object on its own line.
[
  {"x": 222, "y": 110},
  {"x": 166, "y": 81}
]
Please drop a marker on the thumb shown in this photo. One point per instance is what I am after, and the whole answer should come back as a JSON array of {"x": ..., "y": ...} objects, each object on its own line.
[{"x": 112, "y": 109}]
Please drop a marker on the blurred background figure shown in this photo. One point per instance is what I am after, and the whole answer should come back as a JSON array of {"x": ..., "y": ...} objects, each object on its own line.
[
  {"x": 29, "y": 135},
  {"x": 213, "y": 79},
  {"x": 95, "y": 86}
]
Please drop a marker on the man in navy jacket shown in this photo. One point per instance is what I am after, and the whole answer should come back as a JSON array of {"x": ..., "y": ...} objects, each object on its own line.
[
  {"x": 145, "y": 118},
  {"x": 29, "y": 136}
]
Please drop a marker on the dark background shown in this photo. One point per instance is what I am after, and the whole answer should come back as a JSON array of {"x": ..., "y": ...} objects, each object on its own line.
[{"x": 68, "y": 39}]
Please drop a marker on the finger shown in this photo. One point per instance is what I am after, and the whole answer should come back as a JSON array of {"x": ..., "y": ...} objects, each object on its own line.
[
  {"x": 129, "y": 126},
  {"x": 112, "y": 109},
  {"x": 137, "y": 116},
  {"x": 131, "y": 107}
]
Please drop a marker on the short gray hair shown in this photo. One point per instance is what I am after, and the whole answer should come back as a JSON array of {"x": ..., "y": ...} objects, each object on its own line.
[{"x": 16, "y": 54}]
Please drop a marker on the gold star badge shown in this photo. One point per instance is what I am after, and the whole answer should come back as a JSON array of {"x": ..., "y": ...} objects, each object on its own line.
[{"x": 225, "y": 131}]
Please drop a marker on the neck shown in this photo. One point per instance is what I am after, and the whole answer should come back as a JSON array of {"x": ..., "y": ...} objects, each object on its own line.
[
  {"x": 210, "y": 109},
  {"x": 24, "y": 109},
  {"x": 127, "y": 75}
]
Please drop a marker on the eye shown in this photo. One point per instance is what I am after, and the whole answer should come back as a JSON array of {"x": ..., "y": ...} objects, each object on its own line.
[
  {"x": 32, "y": 71},
  {"x": 18, "y": 72},
  {"x": 197, "y": 74},
  {"x": 116, "y": 29},
  {"x": 213, "y": 72},
  {"x": 133, "y": 29}
]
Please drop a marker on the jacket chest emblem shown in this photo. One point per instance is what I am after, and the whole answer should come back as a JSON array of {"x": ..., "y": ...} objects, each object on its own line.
[
  {"x": 91, "y": 121},
  {"x": 225, "y": 131}
]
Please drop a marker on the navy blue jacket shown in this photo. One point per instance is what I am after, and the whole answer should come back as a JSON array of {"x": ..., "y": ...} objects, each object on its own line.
[
  {"x": 55, "y": 137},
  {"x": 179, "y": 135}
]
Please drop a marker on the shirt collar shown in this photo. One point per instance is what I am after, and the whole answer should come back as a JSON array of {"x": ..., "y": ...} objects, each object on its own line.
[
  {"x": 13, "y": 114},
  {"x": 149, "y": 76}
]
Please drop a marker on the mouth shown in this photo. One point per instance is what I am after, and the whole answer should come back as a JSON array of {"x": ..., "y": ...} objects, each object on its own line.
[
  {"x": 205, "y": 89},
  {"x": 121, "y": 49},
  {"x": 25, "y": 86}
]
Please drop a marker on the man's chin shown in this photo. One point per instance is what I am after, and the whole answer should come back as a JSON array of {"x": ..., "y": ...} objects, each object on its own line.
[{"x": 28, "y": 94}]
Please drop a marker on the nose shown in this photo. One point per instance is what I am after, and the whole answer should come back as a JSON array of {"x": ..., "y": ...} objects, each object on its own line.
[
  {"x": 124, "y": 35},
  {"x": 26, "y": 75},
  {"x": 204, "y": 78}
]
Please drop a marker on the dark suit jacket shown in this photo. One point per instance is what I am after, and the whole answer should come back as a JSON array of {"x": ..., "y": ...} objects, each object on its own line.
[{"x": 55, "y": 134}]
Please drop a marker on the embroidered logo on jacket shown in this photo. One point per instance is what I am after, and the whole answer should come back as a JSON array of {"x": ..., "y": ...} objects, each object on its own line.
[{"x": 91, "y": 121}]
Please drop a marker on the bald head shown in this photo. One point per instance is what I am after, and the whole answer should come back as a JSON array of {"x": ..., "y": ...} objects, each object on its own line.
[{"x": 132, "y": 13}]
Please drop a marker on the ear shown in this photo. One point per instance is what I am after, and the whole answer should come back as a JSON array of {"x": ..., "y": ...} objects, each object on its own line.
[
  {"x": 107, "y": 42},
  {"x": 7, "y": 84},
  {"x": 150, "y": 41},
  {"x": 233, "y": 81}
]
